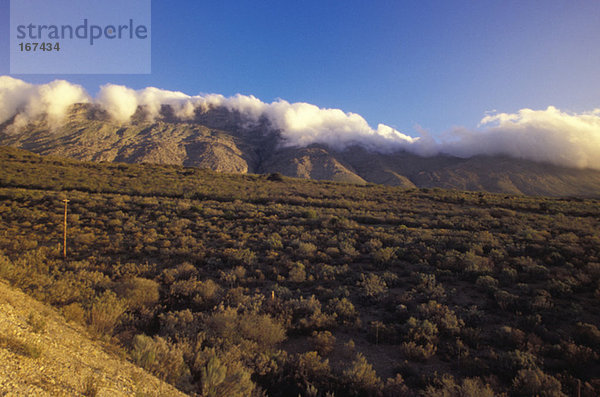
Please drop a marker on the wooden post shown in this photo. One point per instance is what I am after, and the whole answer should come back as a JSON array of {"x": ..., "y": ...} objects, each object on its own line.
[{"x": 65, "y": 231}]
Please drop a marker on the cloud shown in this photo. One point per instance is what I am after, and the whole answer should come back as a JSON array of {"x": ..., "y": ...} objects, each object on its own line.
[
  {"x": 27, "y": 101},
  {"x": 548, "y": 135},
  {"x": 122, "y": 102}
]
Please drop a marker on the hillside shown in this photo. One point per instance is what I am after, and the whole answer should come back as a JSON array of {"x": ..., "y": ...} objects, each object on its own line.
[
  {"x": 43, "y": 355},
  {"x": 250, "y": 285},
  {"x": 220, "y": 140}
]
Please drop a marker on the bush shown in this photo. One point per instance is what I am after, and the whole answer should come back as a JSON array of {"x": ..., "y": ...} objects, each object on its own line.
[
  {"x": 36, "y": 322},
  {"x": 511, "y": 362},
  {"x": 159, "y": 357},
  {"x": 276, "y": 177},
  {"x": 218, "y": 379},
  {"x": 344, "y": 310},
  {"x": 418, "y": 352},
  {"x": 360, "y": 378},
  {"x": 534, "y": 382},
  {"x": 74, "y": 312},
  {"x": 138, "y": 292},
  {"x": 310, "y": 367},
  {"x": 105, "y": 313},
  {"x": 439, "y": 314},
  {"x": 262, "y": 329},
  {"x": 374, "y": 288},
  {"x": 384, "y": 256},
  {"x": 470, "y": 387},
  {"x": 395, "y": 387},
  {"x": 232, "y": 328},
  {"x": 323, "y": 342},
  {"x": 20, "y": 347},
  {"x": 297, "y": 273}
]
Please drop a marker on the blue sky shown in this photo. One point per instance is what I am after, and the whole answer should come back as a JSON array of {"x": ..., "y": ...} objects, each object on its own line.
[{"x": 435, "y": 64}]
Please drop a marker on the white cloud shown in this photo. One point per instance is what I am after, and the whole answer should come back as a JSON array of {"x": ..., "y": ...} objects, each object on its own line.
[
  {"x": 548, "y": 135},
  {"x": 28, "y": 102}
]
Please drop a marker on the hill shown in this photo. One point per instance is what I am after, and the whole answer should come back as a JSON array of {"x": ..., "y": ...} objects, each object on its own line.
[
  {"x": 219, "y": 139},
  {"x": 249, "y": 285},
  {"x": 43, "y": 355}
]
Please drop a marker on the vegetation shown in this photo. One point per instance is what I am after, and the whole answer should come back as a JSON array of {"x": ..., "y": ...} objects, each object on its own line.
[{"x": 257, "y": 285}]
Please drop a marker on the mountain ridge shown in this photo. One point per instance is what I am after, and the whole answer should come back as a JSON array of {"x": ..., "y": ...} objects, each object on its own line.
[{"x": 219, "y": 139}]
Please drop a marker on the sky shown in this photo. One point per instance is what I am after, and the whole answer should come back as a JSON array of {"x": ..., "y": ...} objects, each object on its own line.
[{"x": 413, "y": 65}]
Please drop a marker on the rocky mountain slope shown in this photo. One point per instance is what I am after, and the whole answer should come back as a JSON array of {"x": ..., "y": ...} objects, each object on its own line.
[
  {"x": 43, "y": 355},
  {"x": 220, "y": 140}
]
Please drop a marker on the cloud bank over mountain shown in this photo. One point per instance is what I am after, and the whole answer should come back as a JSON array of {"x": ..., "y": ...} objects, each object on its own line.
[
  {"x": 548, "y": 135},
  {"x": 27, "y": 102}
]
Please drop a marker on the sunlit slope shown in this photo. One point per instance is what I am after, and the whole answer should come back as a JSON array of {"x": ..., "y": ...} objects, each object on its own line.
[{"x": 219, "y": 140}]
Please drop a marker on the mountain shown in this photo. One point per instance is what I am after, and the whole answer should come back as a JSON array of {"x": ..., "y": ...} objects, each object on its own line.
[{"x": 220, "y": 140}]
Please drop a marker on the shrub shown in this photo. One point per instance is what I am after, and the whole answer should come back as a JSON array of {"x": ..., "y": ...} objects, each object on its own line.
[
  {"x": 306, "y": 250},
  {"x": 534, "y": 382},
  {"x": 20, "y": 346},
  {"x": 422, "y": 331},
  {"x": 344, "y": 310},
  {"x": 418, "y": 352},
  {"x": 262, "y": 329},
  {"x": 511, "y": 362},
  {"x": 297, "y": 273},
  {"x": 138, "y": 292},
  {"x": 74, "y": 312},
  {"x": 232, "y": 328},
  {"x": 374, "y": 288},
  {"x": 384, "y": 256},
  {"x": 180, "y": 325},
  {"x": 395, "y": 387},
  {"x": 218, "y": 379},
  {"x": 310, "y": 214},
  {"x": 276, "y": 177},
  {"x": 323, "y": 342},
  {"x": 487, "y": 283},
  {"x": 105, "y": 313},
  {"x": 159, "y": 357},
  {"x": 588, "y": 334},
  {"x": 89, "y": 387},
  {"x": 360, "y": 377},
  {"x": 470, "y": 387},
  {"x": 310, "y": 367},
  {"x": 444, "y": 318},
  {"x": 36, "y": 322}
]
